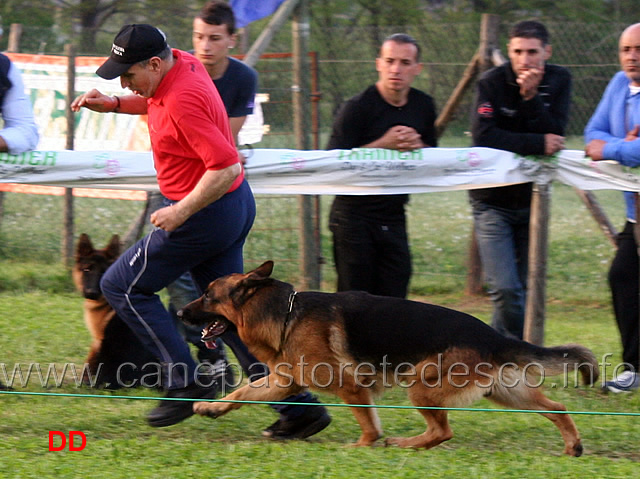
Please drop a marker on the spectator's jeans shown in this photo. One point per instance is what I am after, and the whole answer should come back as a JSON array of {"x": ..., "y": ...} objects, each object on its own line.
[{"x": 503, "y": 242}]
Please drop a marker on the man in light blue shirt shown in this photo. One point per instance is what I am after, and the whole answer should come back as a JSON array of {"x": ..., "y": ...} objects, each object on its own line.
[
  {"x": 612, "y": 134},
  {"x": 20, "y": 132}
]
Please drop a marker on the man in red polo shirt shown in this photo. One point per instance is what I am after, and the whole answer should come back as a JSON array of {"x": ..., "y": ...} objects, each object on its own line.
[{"x": 208, "y": 212}]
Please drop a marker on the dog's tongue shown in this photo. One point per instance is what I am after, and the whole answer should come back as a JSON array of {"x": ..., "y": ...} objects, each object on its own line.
[{"x": 211, "y": 333}]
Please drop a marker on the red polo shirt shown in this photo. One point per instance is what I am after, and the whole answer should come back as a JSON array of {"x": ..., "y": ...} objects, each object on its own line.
[{"x": 189, "y": 128}]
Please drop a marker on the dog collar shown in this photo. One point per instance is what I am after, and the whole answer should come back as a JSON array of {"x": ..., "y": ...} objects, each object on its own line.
[{"x": 287, "y": 319}]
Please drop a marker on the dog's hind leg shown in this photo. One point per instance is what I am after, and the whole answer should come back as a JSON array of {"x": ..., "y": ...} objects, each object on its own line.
[
  {"x": 524, "y": 397},
  {"x": 438, "y": 429}
]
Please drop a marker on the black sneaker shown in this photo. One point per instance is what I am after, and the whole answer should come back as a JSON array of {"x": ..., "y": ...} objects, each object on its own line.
[
  {"x": 172, "y": 412},
  {"x": 5, "y": 388},
  {"x": 312, "y": 421}
]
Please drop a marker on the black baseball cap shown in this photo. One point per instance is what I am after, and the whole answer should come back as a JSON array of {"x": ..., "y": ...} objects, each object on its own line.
[{"x": 133, "y": 44}]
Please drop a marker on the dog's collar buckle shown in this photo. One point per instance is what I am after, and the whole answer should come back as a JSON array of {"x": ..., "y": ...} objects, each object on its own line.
[
  {"x": 287, "y": 319},
  {"x": 292, "y": 298}
]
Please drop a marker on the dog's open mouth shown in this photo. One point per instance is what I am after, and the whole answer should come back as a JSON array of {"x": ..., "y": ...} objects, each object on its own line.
[{"x": 211, "y": 333}]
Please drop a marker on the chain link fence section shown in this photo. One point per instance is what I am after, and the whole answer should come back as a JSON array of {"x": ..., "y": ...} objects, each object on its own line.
[{"x": 346, "y": 65}]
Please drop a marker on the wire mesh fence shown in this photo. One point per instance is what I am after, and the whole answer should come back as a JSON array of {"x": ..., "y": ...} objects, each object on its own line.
[
  {"x": 345, "y": 59},
  {"x": 346, "y": 62}
]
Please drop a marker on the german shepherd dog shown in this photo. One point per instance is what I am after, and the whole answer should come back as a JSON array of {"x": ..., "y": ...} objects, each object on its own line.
[
  {"x": 116, "y": 356},
  {"x": 354, "y": 345}
]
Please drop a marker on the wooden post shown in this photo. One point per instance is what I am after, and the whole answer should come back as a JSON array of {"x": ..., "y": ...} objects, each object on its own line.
[
  {"x": 262, "y": 42},
  {"x": 489, "y": 30},
  {"x": 475, "y": 284},
  {"x": 68, "y": 226},
  {"x": 301, "y": 113},
  {"x": 70, "y": 52},
  {"x": 538, "y": 248},
  {"x": 137, "y": 227},
  {"x": 15, "y": 33},
  {"x": 454, "y": 100},
  {"x": 489, "y": 37},
  {"x": 598, "y": 214}
]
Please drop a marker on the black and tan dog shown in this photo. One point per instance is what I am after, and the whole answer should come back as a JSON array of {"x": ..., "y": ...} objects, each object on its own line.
[
  {"x": 116, "y": 356},
  {"x": 354, "y": 345}
]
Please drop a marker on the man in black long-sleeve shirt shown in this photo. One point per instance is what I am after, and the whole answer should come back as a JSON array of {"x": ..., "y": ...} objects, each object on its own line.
[
  {"x": 522, "y": 107},
  {"x": 370, "y": 242}
]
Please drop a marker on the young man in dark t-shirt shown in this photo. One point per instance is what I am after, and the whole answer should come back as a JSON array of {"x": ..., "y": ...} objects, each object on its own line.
[
  {"x": 213, "y": 35},
  {"x": 370, "y": 241}
]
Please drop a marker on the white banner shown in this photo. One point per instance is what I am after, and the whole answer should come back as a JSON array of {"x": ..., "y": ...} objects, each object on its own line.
[
  {"x": 352, "y": 172},
  {"x": 45, "y": 81}
]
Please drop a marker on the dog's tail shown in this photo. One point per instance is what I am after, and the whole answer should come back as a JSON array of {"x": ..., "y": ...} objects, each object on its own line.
[{"x": 558, "y": 360}]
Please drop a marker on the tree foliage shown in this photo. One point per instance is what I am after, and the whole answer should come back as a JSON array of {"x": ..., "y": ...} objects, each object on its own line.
[{"x": 91, "y": 24}]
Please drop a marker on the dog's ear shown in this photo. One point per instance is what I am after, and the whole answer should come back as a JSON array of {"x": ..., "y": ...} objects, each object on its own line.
[
  {"x": 84, "y": 247},
  {"x": 113, "y": 248},
  {"x": 252, "y": 282},
  {"x": 264, "y": 270}
]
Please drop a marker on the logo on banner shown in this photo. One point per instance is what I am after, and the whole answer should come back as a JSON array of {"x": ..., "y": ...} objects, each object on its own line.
[
  {"x": 296, "y": 162},
  {"x": 472, "y": 158}
]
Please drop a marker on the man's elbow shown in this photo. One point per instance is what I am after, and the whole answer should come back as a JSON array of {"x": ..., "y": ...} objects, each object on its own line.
[
  {"x": 232, "y": 172},
  {"x": 34, "y": 138}
]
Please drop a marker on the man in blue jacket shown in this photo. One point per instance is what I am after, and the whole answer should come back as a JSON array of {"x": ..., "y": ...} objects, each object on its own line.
[{"x": 612, "y": 134}]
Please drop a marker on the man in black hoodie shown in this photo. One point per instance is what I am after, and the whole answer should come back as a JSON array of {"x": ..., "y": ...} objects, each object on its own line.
[{"x": 521, "y": 106}]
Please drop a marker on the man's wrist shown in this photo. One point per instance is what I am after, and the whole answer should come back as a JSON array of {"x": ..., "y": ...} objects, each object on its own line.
[{"x": 117, "y": 107}]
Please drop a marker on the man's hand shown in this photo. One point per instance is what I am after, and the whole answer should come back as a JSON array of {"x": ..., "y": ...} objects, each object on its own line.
[
  {"x": 529, "y": 81},
  {"x": 553, "y": 143},
  {"x": 95, "y": 101},
  {"x": 242, "y": 158},
  {"x": 168, "y": 218},
  {"x": 402, "y": 138},
  {"x": 595, "y": 149},
  {"x": 633, "y": 134}
]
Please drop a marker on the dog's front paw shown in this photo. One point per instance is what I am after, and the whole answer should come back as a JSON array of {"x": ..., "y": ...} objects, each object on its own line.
[{"x": 213, "y": 410}]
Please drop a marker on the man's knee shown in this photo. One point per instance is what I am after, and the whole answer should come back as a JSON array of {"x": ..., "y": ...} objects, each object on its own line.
[{"x": 510, "y": 295}]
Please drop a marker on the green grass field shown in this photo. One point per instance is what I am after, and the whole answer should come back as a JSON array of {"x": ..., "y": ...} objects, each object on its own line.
[{"x": 41, "y": 323}]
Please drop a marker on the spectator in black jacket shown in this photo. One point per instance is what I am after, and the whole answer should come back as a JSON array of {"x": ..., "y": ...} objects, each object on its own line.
[{"x": 522, "y": 107}]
